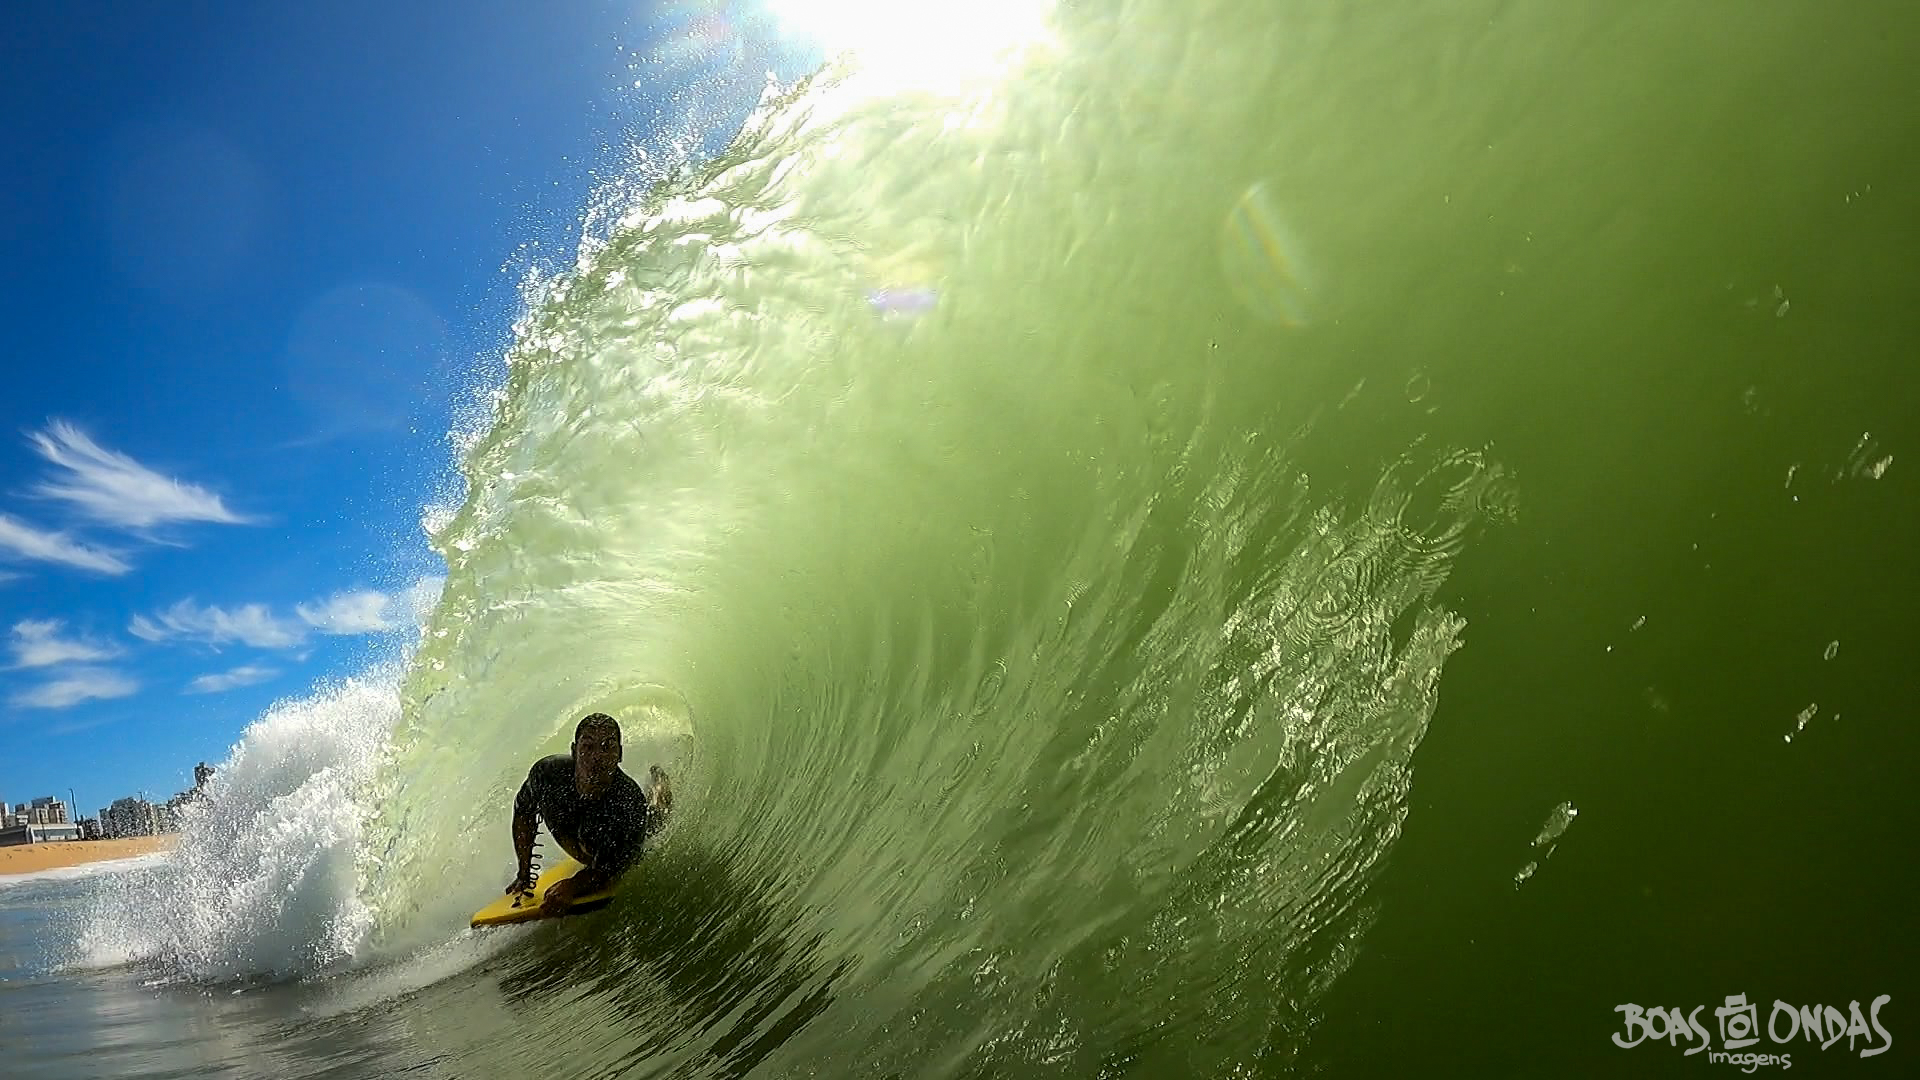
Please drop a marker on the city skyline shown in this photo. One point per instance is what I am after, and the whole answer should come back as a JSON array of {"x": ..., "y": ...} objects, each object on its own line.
[{"x": 117, "y": 818}]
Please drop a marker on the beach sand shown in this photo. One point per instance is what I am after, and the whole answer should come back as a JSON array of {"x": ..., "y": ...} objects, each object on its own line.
[{"x": 32, "y": 858}]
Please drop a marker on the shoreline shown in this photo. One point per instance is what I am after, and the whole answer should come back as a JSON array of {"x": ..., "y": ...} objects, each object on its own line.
[{"x": 34, "y": 858}]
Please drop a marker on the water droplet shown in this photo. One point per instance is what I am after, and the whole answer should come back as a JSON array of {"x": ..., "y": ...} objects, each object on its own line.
[
  {"x": 1556, "y": 824},
  {"x": 1861, "y": 462},
  {"x": 1833, "y": 650}
]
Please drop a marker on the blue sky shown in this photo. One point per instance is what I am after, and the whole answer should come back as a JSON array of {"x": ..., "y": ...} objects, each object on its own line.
[{"x": 258, "y": 254}]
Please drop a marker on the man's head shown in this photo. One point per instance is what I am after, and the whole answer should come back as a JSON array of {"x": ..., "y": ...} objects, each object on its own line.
[{"x": 596, "y": 752}]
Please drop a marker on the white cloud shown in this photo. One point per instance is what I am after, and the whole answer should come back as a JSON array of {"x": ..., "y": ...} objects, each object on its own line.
[
  {"x": 251, "y": 624},
  {"x": 30, "y": 543},
  {"x": 37, "y": 643},
  {"x": 362, "y": 611},
  {"x": 87, "y": 684},
  {"x": 352, "y": 612},
  {"x": 369, "y": 611},
  {"x": 113, "y": 488},
  {"x": 244, "y": 675}
]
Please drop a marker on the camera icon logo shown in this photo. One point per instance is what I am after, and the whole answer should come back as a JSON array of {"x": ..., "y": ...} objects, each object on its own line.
[{"x": 1739, "y": 1022}]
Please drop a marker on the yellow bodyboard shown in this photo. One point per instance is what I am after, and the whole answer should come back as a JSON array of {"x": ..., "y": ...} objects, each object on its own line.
[{"x": 525, "y": 907}]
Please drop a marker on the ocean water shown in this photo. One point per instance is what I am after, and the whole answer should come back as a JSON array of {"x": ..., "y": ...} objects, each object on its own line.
[{"x": 1214, "y": 539}]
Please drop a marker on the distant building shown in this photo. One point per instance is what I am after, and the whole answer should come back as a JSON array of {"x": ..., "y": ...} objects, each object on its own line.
[
  {"x": 130, "y": 817},
  {"x": 28, "y": 833},
  {"x": 45, "y": 810},
  {"x": 50, "y": 810}
]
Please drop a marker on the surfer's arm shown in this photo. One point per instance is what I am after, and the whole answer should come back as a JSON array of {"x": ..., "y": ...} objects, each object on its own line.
[
  {"x": 526, "y": 826},
  {"x": 598, "y": 875},
  {"x": 601, "y": 872},
  {"x": 591, "y": 880}
]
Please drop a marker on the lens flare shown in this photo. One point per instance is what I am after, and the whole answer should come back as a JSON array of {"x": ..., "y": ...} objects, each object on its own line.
[
  {"x": 1261, "y": 259},
  {"x": 932, "y": 48}
]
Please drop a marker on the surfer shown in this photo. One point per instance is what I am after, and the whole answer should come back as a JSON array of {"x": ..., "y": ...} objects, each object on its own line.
[{"x": 595, "y": 812}]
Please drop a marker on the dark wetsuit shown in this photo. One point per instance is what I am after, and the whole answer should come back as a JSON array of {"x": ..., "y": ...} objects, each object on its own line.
[{"x": 605, "y": 833}]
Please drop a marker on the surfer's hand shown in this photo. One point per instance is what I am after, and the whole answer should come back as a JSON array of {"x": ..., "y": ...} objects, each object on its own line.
[
  {"x": 559, "y": 895},
  {"x": 522, "y": 884}
]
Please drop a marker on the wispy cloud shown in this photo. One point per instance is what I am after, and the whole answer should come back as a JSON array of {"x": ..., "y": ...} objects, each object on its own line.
[
  {"x": 350, "y": 612},
  {"x": 250, "y": 624},
  {"x": 37, "y": 643},
  {"x": 28, "y": 542},
  {"x": 244, "y": 675},
  {"x": 75, "y": 687},
  {"x": 369, "y": 611},
  {"x": 112, "y": 488},
  {"x": 361, "y": 611},
  {"x": 72, "y": 727}
]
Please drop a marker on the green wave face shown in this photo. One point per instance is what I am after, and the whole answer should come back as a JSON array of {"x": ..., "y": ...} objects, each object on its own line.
[{"x": 951, "y": 485}]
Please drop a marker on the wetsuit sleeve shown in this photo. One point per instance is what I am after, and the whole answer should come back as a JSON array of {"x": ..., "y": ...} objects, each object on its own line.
[
  {"x": 543, "y": 779},
  {"x": 528, "y": 801},
  {"x": 527, "y": 804}
]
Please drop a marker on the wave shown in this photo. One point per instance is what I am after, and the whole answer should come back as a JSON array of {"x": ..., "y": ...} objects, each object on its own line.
[{"x": 955, "y": 491}]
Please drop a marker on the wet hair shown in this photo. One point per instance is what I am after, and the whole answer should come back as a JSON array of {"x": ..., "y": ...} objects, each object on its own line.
[{"x": 596, "y": 722}]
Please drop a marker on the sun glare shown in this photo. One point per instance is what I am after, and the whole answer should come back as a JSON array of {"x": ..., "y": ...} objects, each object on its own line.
[{"x": 931, "y": 47}]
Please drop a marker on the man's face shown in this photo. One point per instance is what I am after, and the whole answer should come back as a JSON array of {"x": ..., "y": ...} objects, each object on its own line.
[{"x": 596, "y": 754}]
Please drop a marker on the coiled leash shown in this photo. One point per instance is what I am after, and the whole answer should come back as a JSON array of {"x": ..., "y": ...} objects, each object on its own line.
[{"x": 533, "y": 874}]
